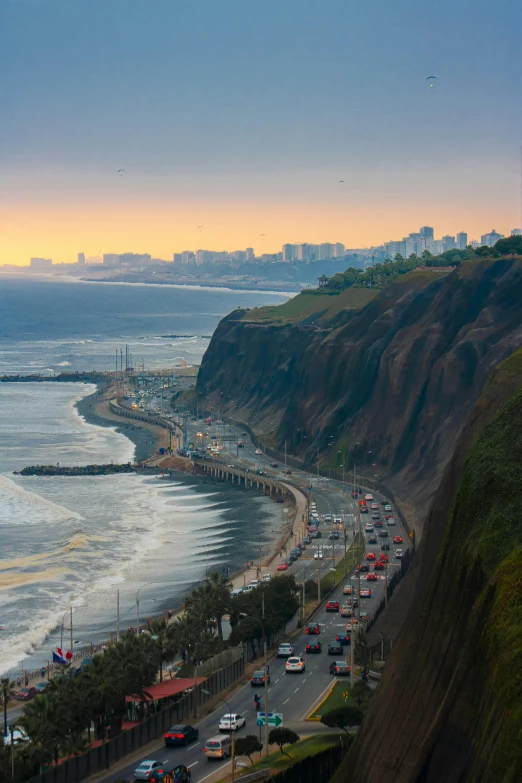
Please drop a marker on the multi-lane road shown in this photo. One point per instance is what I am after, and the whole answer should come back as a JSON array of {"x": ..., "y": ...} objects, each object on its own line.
[{"x": 292, "y": 695}]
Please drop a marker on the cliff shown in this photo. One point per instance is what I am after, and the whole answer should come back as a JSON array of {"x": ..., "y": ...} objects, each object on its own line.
[
  {"x": 449, "y": 706},
  {"x": 385, "y": 380}
]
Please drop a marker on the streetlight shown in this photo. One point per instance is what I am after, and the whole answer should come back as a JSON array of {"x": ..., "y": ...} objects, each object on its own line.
[
  {"x": 232, "y": 734},
  {"x": 265, "y": 654}
]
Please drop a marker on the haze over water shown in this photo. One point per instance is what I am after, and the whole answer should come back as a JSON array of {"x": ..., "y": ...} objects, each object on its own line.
[{"x": 75, "y": 541}]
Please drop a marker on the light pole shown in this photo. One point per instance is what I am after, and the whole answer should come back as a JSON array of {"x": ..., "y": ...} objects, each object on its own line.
[
  {"x": 232, "y": 733},
  {"x": 265, "y": 653}
]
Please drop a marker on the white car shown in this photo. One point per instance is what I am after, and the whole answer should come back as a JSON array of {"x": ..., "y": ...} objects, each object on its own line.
[
  {"x": 285, "y": 650},
  {"x": 231, "y": 722},
  {"x": 147, "y": 769},
  {"x": 258, "y": 451},
  {"x": 297, "y": 664},
  {"x": 399, "y": 553}
]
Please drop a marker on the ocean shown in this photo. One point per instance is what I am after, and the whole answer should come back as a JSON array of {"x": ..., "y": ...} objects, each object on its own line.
[{"x": 73, "y": 542}]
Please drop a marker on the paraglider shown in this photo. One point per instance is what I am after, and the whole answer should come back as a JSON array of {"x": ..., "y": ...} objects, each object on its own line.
[{"x": 432, "y": 80}]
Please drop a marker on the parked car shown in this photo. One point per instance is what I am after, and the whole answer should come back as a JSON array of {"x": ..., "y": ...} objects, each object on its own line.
[{"x": 180, "y": 735}]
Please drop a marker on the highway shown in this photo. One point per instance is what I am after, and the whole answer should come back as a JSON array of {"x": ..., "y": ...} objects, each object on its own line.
[{"x": 292, "y": 695}]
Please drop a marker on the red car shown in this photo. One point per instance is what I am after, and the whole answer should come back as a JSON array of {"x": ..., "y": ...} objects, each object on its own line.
[
  {"x": 282, "y": 566},
  {"x": 332, "y": 606},
  {"x": 312, "y": 629},
  {"x": 370, "y": 556},
  {"x": 397, "y": 540},
  {"x": 378, "y": 566},
  {"x": 313, "y": 647},
  {"x": 371, "y": 577}
]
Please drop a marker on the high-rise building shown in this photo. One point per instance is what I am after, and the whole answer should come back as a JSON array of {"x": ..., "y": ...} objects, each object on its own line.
[
  {"x": 41, "y": 263},
  {"x": 289, "y": 252},
  {"x": 81, "y": 259},
  {"x": 462, "y": 240},
  {"x": 448, "y": 242},
  {"x": 491, "y": 238},
  {"x": 249, "y": 254},
  {"x": 516, "y": 232}
]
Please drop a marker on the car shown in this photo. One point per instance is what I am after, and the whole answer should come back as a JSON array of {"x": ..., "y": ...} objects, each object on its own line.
[
  {"x": 365, "y": 592},
  {"x": 397, "y": 540},
  {"x": 378, "y": 566},
  {"x": 371, "y": 556},
  {"x": 372, "y": 540},
  {"x": 312, "y": 629},
  {"x": 266, "y": 577},
  {"x": 148, "y": 769},
  {"x": 368, "y": 497},
  {"x": 371, "y": 577},
  {"x": 258, "y": 451},
  {"x": 231, "y": 722},
  {"x": 258, "y": 678},
  {"x": 274, "y": 465},
  {"x": 346, "y": 610},
  {"x": 335, "y": 648},
  {"x": 348, "y": 590},
  {"x": 364, "y": 509},
  {"x": 295, "y": 664},
  {"x": 340, "y": 669},
  {"x": 399, "y": 553},
  {"x": 285, "y": 650},
  {"x": 180, "y": 734},
  {"x": 383, "y": 534},
  {"x": 364, "y": 568},
  {"x": 318, "y": 555},
  {"x": 387, "y": 507},
  {"x": 313, "y": 646},
  {"x": 26, "y": 693},
  {"x": 343, "y": 638},
  {"x": 332, "y": 606},
  {"x": 41, "y": 687},
  {"x": 282, "y": 566}
]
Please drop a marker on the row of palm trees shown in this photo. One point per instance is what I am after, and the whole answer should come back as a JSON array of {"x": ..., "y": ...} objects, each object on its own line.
[{"x": 74, "y": 710}]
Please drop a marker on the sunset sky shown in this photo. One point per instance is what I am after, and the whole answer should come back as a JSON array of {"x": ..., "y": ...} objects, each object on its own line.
[{"x": 243, "y": 115}]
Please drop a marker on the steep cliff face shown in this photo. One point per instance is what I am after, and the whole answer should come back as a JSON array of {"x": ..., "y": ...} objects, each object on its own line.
[
  {"x": 388, "y": 385},
  {"x": 449, "y": 706}
]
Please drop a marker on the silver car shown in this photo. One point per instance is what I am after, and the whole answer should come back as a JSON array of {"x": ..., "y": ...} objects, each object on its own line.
[{"x": 147, "y": 769}]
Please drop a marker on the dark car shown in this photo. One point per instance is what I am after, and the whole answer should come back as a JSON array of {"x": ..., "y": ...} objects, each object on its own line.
[
  {"x": 335, "y": 648},
  {"x": 258, "y": 678},
  {"x": 339, "y": 668},
  {"x": 343, "y": 638},
  {"x": 332, "y": 606},
  {"x": 180, "y": 735},
  {"x": 313, "y": 646},
  {"x": 312, "y": 629}
]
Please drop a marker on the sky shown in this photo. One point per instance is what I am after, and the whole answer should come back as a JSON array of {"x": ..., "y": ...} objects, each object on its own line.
[{"x": 243, "y": 115}]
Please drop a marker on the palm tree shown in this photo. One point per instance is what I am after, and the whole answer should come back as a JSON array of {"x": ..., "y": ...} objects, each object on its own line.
[{"x": 7, "y": 693}]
